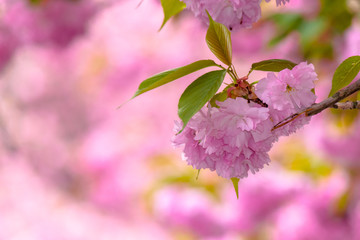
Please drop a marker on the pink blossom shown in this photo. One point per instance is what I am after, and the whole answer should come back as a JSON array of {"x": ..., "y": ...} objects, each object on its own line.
[
  {"x": 290, "y": 89},
  {"x": 234, "y": 14},
  {"x": 231, "y": 140},
  {"x": 288, "y": 93}
]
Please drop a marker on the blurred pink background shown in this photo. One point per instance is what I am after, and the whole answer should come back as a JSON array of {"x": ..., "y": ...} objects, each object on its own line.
[{"x": 74, "y": 167}]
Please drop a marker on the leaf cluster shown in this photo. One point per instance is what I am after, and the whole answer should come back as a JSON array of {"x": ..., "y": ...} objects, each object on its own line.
[{"x": 204, "y": 88}]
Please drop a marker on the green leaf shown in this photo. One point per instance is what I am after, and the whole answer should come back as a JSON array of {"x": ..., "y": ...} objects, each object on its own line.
[
  {"x": 171, "y": 8},
  {"x": 218, "y": 39},
  {"x": 220, "y": 97},
  {"x": 235, "y": 182},
  {"x": 197, "y": 175},
  {"x": 198, "y": 93},
  {"x": 171, "y": 75},
  {"x": 273, "y": 65},
  {"x": 345, "y": 73}
]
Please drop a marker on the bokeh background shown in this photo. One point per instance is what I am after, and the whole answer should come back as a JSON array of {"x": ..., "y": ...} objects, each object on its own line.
[{"x": 74, "y": 167}]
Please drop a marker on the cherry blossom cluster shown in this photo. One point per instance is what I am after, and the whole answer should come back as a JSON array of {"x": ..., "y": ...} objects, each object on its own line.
[
  {"x": 235, "y": 137},
  {"x": 234, "y": 14}
]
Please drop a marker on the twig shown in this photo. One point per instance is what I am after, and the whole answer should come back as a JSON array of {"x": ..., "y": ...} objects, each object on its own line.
[
  {"x": 348, "y": 105},
  {"x": 337, "y": 97},
  {"x": 287, "y": 120},
  {"x": 331, "y": 102}
]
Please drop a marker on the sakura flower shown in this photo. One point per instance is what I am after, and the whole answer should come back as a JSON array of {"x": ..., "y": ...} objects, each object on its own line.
[
  {"x": 294, "y": 86},
  {"x": 288, "y": 93},
  {"x": 232, "y": 140},
  {"x": 234, "y": 14}
]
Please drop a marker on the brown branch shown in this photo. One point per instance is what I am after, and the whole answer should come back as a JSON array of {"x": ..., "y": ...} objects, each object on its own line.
[
  {"x": 331, "y": 102},
  {"x": 287, "y": 120},
  {"x": 348, "y": 105},
  {"x": 337, "y": 97}
]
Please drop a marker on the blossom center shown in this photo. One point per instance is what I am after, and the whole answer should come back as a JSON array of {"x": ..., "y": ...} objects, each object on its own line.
[{"x": 288, "y": 88}]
